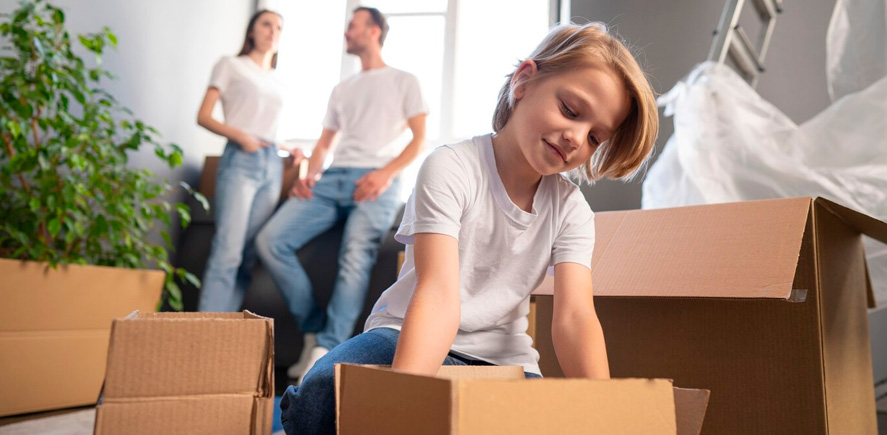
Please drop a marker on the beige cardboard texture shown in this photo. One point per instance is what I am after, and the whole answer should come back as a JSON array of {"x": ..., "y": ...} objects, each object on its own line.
[
  {"x": 778, "y": 356},
  {"x": 54, "y": 326},
  {"x": 188, "y": 373},
  {"x": 681, "y": 252},
  {"x": 498, "y": 400}
]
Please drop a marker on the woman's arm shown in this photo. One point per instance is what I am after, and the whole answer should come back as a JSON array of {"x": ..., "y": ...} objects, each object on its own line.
[
  {"x": 433, "y": 316},
  {"x": 205, "y": 119},
  {"x": 575, "y": 329}
]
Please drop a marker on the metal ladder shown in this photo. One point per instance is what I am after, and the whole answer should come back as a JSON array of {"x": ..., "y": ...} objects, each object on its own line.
[{"x": 731, "y": 39}]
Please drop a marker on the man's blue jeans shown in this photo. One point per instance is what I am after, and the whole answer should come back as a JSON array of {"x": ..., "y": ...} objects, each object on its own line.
[
  {"x": 311, "y": 407},
  {"x": 298, "y": 221},
  {"x": 247, "y": 191}
]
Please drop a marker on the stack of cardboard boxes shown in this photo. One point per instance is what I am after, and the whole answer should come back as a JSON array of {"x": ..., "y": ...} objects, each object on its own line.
[{"x": 188, "y": 373}]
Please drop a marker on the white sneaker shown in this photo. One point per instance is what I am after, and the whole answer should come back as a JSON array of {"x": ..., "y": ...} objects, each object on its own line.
[
  {"x": 298, "y": 369},
  {"x": 316, "y": 353}
]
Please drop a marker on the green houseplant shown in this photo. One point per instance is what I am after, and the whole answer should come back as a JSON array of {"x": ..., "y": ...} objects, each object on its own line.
[{"x": 67, "y": 192}]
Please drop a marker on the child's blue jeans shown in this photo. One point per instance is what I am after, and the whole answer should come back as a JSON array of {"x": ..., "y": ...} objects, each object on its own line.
[{"x": 311, "y": 407}]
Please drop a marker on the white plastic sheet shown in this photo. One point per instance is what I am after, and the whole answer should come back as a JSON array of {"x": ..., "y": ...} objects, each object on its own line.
[
  {"x": 856, "y": 46},
  {"x": 729, "y": 144}
]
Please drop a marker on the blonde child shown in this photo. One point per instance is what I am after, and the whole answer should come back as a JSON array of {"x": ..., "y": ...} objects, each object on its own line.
[{"x": 490, "y": 215}]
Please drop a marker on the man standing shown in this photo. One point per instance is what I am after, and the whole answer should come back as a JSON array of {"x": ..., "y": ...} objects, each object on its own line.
[{"x": 367, "y": 112}]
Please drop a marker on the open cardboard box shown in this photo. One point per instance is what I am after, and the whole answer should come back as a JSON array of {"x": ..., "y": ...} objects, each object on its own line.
[
  {"x": 762, "y": 302},
  {"x": 498, "y": 400},
  {"x": 188, "y": 373}
]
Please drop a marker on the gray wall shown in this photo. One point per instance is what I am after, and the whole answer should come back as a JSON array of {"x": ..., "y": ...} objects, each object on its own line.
[
  {"x": 166, "y": 50},
  {"x": 673, "y": 36}
]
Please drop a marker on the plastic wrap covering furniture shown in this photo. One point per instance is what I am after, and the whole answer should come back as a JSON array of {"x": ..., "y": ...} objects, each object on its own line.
[
  {"x": 729, "y": 144},
  {"x": 856, "y": 56}
]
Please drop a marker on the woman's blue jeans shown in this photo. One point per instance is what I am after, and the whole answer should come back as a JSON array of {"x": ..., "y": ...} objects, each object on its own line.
[
  {"x": 247, "y": 191},
  {"x": 298, "y": 221},
  {"x": 311, "y": 407}
]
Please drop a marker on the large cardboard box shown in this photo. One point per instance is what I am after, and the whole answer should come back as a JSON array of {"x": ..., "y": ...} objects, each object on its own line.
[
  {"x": 493, "y": 400},
  {"x": 188, "y": 373},
  {"x": 54, "y": 326},
  {"x": 761, "y": 302}
]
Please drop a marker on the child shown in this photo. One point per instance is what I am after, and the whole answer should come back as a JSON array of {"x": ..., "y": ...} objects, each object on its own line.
[{"x": 489, "y": 215}]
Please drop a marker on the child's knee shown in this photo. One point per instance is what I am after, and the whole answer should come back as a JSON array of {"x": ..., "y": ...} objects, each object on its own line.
[{"x": 320, "y": 381}]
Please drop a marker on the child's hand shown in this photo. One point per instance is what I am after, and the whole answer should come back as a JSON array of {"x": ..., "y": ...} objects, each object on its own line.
[{"x": 372, "y": 185}]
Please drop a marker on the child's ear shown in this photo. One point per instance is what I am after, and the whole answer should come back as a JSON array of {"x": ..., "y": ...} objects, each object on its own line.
[{"x": 525, "y": 71}]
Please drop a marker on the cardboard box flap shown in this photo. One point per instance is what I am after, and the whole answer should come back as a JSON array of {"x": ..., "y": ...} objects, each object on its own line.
[
  {"x": 865, "y": 224},
  {"x": 420, "y": 401},
  {"x": 862, "y": 223},
  {"x": 734, "y": 250},
  {"x": 181, "y": 354},
  {"x": 566, "y": 406},
  {"x": 457, "y": 373},
  {"x": 191, "y": 316},
  {"x": 690, "y": 406},
  {"x": 183, "y": 415}
]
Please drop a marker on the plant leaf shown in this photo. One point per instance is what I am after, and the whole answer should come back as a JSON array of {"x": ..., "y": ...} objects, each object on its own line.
[{"x": 53, "y": 226}]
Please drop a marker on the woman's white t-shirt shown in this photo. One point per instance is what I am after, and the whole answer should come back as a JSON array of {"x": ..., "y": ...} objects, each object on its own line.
[
  {"x": 252, "y": 97},
  {"x": 504, "y": 251}
]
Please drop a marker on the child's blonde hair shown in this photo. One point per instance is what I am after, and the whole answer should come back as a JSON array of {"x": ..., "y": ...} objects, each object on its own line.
[{"x": 570, "y": 46}]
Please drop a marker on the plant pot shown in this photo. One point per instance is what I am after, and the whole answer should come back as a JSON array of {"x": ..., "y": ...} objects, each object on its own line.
[{"x": 55, "y": 326}]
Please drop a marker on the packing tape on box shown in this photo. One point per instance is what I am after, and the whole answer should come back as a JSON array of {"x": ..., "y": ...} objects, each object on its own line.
[{"x": 798, "y": 295}]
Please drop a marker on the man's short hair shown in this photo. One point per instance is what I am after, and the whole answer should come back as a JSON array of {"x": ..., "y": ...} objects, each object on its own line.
[{"x": 378, "y": 20}]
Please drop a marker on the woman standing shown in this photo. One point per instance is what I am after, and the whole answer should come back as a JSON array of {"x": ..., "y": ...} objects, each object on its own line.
[{"x": 250, "y": 171}]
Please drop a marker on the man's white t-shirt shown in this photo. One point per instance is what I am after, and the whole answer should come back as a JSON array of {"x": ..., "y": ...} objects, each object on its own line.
[
  {"x": 371, "y": 110},
  {"x": 504, "y": 251},
  {"x": 252, "y": 98}
]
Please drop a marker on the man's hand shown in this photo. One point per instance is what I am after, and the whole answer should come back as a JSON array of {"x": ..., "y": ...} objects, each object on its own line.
[
  {"x": 372, "y": 185},
  {"x": 298, "y": 156},
  {"x": 249, "y": 143},
  {"x": 302, "y": 187}
]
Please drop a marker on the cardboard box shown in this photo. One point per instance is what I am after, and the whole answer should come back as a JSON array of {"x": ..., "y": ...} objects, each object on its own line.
[
  {"x": 54, "y": 327},
  {"x": 493, "y": 400},
  {"x": 762, "y": 302},
  {"x": 187, "y": 373}
]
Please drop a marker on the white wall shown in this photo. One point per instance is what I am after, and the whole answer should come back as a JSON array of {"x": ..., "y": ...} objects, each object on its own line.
[
  {"x": 166, "y": 50},
  {"x": 165, "y": 53}
]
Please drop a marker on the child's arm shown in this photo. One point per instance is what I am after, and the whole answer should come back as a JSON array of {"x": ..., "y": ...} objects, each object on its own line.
[
  {"x": 432, "y": 318},
  {"x": 575, "y": 329}
]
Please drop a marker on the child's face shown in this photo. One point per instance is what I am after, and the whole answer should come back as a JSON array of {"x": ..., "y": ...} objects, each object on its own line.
[{"x": 560, "y": 120}]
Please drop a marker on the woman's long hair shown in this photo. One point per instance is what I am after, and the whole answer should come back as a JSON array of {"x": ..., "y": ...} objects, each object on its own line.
[{"x": 248, "y": 43}]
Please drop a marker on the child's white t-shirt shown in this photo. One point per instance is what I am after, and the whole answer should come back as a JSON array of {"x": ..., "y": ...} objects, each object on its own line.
[
  {"x": 504, "y": 252},
  {"x": 252, "y": 98},
  {"x": 371, "y": 109}
]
